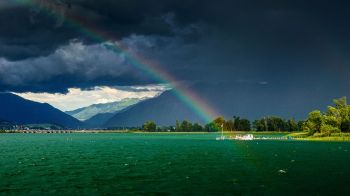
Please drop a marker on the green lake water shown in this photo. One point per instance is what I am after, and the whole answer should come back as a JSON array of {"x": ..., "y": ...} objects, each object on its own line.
[{"x": 169, "y": 164}]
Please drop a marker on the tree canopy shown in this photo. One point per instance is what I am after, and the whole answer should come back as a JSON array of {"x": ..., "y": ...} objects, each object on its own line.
[
  {"x": 149, "y": 126},
  {"x": 335, "y": 119}
]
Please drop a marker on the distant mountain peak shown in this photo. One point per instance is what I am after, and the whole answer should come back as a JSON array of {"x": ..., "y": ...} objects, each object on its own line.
[{"x": 88, "y": 112}]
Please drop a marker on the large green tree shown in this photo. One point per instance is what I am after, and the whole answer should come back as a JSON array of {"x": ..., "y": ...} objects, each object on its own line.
[
  {"x": 276, "y": 124},
  {"x": 241, "y": 124},
  {"x": 259, "y": 125},
  {"x": 314, "y": 122},
  {"x": 230, "y": 125},
  {"x": 186, "y": 126},
  {"x": 219, "y": 122},
  {"x": 244, "y": 125},
  {"x": 149, "y": 126},
  {"x": 292, "y": 125},
  {"x": 197, "y": 127},
  {"x": 335, "y": 119},
  {"x": 339, "y": 114},
  {"x": 211, "y": 127}
]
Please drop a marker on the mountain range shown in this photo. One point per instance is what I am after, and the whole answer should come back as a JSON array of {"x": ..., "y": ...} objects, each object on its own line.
[{"x": 164, "y": 109}]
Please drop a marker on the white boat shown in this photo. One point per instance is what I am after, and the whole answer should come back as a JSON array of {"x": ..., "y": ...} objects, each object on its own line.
[
  {"x": 245, "y": 137},
  {"x": 220, "y": 138}
]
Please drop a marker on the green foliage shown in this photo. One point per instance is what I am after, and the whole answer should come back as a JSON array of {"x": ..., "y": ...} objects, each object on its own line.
[
  {"x": 292, "y": 126},
  {"x": 260, "y": 125},
  {"x": 332, "y": 120},
  {"x": 211, "y": 127},
  {"x": 229, "y": 125},
  {"x": 235, "y": 124},
  {"x": 177, "y": 126},
  {"x": 301, "y": 125},
  {"x": 149, "y": 126},
  {"x": 335, "y": 119},
  {"x": 240, "y": 124},
  {"x": 197, "y": 127},
  {"x": 327, "y": 130},
  {"x": 243, "y": 125},
  {"x": 166, "y": 129},
  {"x": 276, "y": 124},
  {"x": 345, "y": 126},
  {"x": 343, "y": 109},
  {"x": 186, "y": 126},
  {"x": 220, "y": 121},
  {"x": 314, "y": 122}
]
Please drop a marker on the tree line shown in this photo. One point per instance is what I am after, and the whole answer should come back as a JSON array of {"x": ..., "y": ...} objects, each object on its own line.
[
  {"x": 335, "y": 119},
  {"x": 234, "y": 124}
]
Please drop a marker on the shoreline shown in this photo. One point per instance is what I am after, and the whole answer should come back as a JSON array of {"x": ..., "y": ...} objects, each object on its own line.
[{"x": 296, "y": 136}]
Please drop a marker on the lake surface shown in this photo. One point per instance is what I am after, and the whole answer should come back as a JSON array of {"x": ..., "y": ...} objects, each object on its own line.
[{"x": 169, "y": 164}]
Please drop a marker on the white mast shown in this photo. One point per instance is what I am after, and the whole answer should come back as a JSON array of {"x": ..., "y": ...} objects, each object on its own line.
[{"x": 222, "y": 130}]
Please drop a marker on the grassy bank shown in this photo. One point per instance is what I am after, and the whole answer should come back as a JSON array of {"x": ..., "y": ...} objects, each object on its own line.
[{"x": 319, "y": 137}]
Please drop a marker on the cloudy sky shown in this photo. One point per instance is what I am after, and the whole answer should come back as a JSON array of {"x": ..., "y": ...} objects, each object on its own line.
[{"x": 242, "y": 57}]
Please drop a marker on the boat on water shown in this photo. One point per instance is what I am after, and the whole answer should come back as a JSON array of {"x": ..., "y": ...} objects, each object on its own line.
[
  {"x": 221, "y": 138},
  {"x": 244, "y": 137},
  {"x": 237, "y": 137}
]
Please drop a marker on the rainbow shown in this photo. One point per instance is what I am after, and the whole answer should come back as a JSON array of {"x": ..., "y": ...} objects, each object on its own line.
[{"x": 153, "y": 69}]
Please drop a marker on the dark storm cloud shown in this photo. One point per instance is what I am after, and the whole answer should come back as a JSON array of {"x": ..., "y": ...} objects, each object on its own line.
[
  {"x": 240, "y": 49},
  {"x": 71, "y": 65},
  {"x": 38, "y": 29},
  {"x": 254, "y": 24}
]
